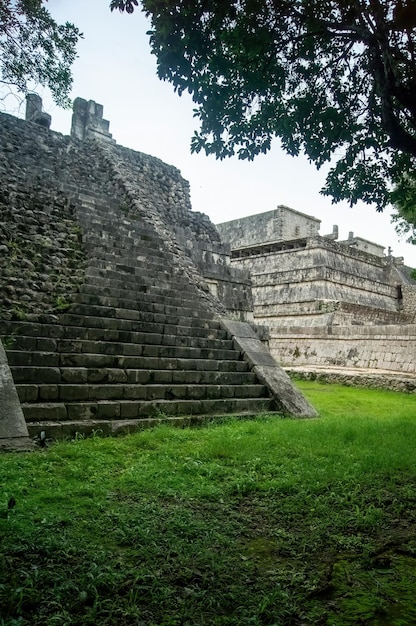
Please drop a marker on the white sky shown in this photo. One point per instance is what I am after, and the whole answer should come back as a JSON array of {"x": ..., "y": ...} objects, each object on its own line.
[{"x": 115, "y": 68}]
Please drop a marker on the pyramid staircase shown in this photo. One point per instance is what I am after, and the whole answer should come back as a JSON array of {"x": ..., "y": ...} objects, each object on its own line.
[{"x": 140, "y": 341}]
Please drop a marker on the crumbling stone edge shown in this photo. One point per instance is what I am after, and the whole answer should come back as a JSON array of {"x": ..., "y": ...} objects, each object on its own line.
[
  {"x": 14, "y": 435},
  {"x": 287, "y": 397}
]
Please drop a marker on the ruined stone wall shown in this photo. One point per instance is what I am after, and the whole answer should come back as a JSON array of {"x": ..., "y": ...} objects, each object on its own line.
[
  {"x": 42, "y": 258},
  {"x": 283, "y": 224},
  {"x": 363, "y": 244},
  {"x": 44, "y": 239},
  {"x": 390, "y": 347}
]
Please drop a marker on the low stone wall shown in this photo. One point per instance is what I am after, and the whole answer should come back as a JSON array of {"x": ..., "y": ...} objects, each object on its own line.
[
  {"x": 350, "y": 379},
  {"x": 390, "y": 347}
]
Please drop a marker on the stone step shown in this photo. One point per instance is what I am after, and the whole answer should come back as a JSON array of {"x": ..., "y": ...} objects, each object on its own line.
[
  {"x": 141, "y": 324},
  {"x": 96, "y": 310},
  {"x": 22, "y": 345},
  {"x": 139, "y": 262},
  {"x": 88, "y": 392},
  {"x": 110, "y": 329},
  {"x": 111, "y": 427},
  {"x": 116, "y": 355},
  {"x": 128, "y": 243},
  {"x": 131, "y": 409},
  {"x": 108, "y": 375},
  {"x": 127, "y": 367},
  {"x": 140, "y": 273},
  {"x": 187, "y": 296},
  {"x": 136, "y": 349},
  {"x": 189, "y": 308},
  {"x": 125, "y": 299}
]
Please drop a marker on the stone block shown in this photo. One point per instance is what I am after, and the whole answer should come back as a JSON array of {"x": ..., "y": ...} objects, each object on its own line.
[
  {"x": 72, "y": 393},
  {"x": 45, "y": 411},
  {"x": 21, "y": 343},
  {"x": 152, "y": 351},
  {"x": 48, "y": 393},
  {"x": 156, "y": 392},
  {"x": 44, "y": 344},
  {"x": 108, "y": 410},
  {"x": 42, "y": 359},
  {"x": 132, "y": 362},
  {"x": 140, "y": 377},
  {"x": 105, "y": 392},
  {"x": 129, "y": 409},
  {"x": 117, "y": 376},
  {"x": 97, "y": 375},
  {"x": 217, "y": 391},
  {"x": 162, "y": 377},
  {"x": 27, "y": 393},
  {"x": 17, "y": 358},
  {"x": 126, "y": 426},
  {"x": 39, "y": 375},
  {"x": 218, "y": 406},
  {"x": 179, "y": 392},
  {"x": 74, "y": 375},
  {"x": 205, "y": 364},
  {"x": 52, "y": 430},
  {"x": 132, "y": 349},
  {"x": 149, "y": 409},
  {"x": 134, "y": 392},
  {"x": 82, "y": 410},
  {"x": 196, "y": 392}
]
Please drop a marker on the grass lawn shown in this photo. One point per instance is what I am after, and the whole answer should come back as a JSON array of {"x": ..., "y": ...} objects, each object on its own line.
[{"x": 270, "y": 521}]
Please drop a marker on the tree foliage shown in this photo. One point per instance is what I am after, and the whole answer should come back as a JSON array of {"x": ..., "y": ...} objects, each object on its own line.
[
  {"x": 404, "y": 200},
  {"x": 34, "y": 49},
  {"x": 334, "y": 79}
]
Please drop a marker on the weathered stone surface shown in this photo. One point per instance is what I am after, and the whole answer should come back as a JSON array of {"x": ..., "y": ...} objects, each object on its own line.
[
  {"x": 254, "y": 351},
  {"x": 388, "y": 347},
  {"x": 13, "y": 430},
  {"x": 239, "y": 329},
  {"x": 286, "y": 396}
]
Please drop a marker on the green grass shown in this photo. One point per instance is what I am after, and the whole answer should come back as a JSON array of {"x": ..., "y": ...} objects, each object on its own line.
[{"x": 270, "y": 521}]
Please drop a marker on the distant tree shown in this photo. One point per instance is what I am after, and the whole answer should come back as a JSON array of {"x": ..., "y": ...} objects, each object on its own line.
[
  {"x": 404, "y": 201},
  {"x": 335, "y": 79},
  {"x": 34, "y": 49}
]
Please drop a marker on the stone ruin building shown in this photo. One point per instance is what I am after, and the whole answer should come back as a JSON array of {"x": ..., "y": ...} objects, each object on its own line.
[
  {"x": 327, "y": 303},
  {"x": 118, "y": 304}
]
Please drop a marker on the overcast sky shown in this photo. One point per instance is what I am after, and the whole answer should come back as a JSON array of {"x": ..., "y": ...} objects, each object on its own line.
[{"x": 115, "y": 68}]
